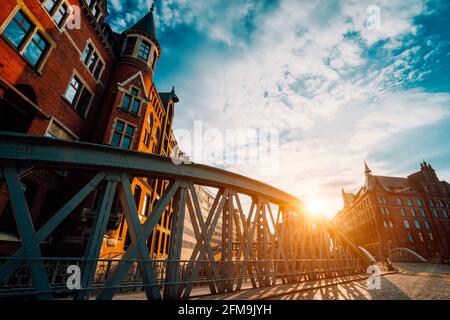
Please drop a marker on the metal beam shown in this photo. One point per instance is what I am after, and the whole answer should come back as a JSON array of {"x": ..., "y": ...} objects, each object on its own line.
[
  {"x": 27, "y": 234},
  {"x": 65, "y": 155}
]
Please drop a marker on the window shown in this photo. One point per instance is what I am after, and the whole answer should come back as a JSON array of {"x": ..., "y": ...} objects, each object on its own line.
[
  {"x": 402, "y": 211},
  {"x": 419, "y": 202},
  {"x": 155, "y": 56},
  {"x": 431, "y": 203},
  {"x": 78, "y": 96},
  {"x": 385, "y": 224},
  {"x": 413, "y": 212},
  {"x": 409, "y": 201},
  {"x": 98, "y": 70},
  {"x": 382, "y": 211},
  {"x": 36, "y": 49},
  {"x": 123, "y": 135},
  {"x": 423, "y": 212},
  {"x": 25, "y": 37},
  {"x": 146, "y": 206},
  {"x": 61, "y": 15},
  {"x": 427, "y": 225},
  {"x": 50, "y": 5},
  {"x": 130, "y": 102},
  {"x": 129, "y": 46},
  {"x": 390, "y": 223},
  {"x": 94, "y": 6},
  {"x": 91, "y": 59},
  {"x": 56, "y": 131},
  {"x": 431, "y": 236},
  {"x": 399, "y": 201},
  {"x": 445, "y": 214},
  {"x": 147, "y": 139},
  {"x": 421, "y": 237},
  {"x": 386, "y": 210},
  {"x": 435, "y": 213},
  {"x": 410, "y": 237},
  {"x": 144, "y": 51},
  {"x": 150, "y": 120},
  {"x": 406, "y": 224},
  {"x": 58, "y": 10},
  {"x": 417, "y": 224}
]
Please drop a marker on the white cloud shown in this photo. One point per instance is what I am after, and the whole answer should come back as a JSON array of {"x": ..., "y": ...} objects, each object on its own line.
[{"x": 292, "y": 76}]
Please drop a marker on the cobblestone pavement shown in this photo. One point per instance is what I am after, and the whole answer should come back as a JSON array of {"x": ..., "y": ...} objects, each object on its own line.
[{"x": 413, "y": 282}]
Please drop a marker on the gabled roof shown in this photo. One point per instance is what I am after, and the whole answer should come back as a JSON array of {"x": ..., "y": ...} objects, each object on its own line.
[
  {"x": 394, "y": 183},
  {"x": 167, "y": 96}
]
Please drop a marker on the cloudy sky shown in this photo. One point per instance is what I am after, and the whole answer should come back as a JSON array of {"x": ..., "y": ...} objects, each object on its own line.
[{"x": 339, "y": 88}]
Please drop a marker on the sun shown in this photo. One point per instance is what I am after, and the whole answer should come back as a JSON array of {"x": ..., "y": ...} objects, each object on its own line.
[{"x": 315, "y": 206}]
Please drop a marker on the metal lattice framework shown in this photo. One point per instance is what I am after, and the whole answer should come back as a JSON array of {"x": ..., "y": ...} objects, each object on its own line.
[{"x": 269, "y": 241}]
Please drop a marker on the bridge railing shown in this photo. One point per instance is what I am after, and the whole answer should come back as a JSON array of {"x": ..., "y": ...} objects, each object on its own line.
[
  {"x": 291, "y": 246},
  {"x": 63, "y": 280}
]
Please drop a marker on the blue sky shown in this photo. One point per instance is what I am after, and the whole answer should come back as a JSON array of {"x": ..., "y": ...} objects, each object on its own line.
[{"x": 339, "y": 92}]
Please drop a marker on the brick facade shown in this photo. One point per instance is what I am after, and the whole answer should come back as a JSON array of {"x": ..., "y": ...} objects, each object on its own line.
[
  {"x": 85, "y": 84},
  {"x": 389, "y": 212}
]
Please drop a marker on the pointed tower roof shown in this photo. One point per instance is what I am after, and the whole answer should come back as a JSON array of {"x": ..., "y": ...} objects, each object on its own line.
[
  {"x": 367, "y": 171},
  {"x": 147, "y": 24}
]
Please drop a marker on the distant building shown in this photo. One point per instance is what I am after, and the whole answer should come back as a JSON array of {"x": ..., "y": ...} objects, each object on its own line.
[
  {"x": 390, "y": 212},
  {"x": 206, "y": 199}
]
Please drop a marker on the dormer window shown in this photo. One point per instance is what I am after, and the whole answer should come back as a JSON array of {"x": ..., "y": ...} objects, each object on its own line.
[{"x": 144, "y": 51}]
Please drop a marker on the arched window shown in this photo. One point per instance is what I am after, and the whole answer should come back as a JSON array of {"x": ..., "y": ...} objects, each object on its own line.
[
  {"x": 399, "y": 201},
  {"x": 410, "y": 237},
  {"x": 413, "y": 212},
  {"x": 445, "y": 214},
  {"x": 385, "y": 224},
  {"x": 426, "y": 224},
  {"x": 402, "y": 211},
  {"x": 419, "y": 202},
  {"x": 417, "y": 224},
  {"x": 406, "y": 224},
  {"x": 410, "y": 203}
]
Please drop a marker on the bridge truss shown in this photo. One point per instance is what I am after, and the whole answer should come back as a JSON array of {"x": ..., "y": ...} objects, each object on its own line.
[{"x": 269, "y": 240}]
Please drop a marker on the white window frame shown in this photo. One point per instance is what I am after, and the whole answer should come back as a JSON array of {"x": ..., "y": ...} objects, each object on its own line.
[
  {"x": 127, "y": 123},
  {"x": 95, "y": 50},
  {"x": 75, "y": 103},
  {"x": 59, "y": 123},
  {"x": 133, "y": 97},
  {"x": 65, "y": 20},
  {"x": 35, "y": 26}
]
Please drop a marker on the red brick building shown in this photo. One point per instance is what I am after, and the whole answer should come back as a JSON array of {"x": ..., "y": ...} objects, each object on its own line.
[
  {"x": 65, "y": 74},
  {"x": 390, "y": 212}
]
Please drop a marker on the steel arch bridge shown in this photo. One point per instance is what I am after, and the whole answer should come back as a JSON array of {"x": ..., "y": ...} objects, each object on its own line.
[{"x": 270, "y": 241}]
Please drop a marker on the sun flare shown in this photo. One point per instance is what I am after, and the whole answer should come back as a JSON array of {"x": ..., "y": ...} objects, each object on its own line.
[{"x": 315, "y": 206}]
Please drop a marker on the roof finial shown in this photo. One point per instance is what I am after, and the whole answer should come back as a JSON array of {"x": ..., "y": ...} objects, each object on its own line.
[
  {"x": 152, "y": 8},
  {"x": 366, "y": 167}
]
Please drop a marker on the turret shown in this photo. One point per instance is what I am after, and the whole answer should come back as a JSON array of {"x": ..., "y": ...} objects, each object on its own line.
[{"x": 140, "y": 44}]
